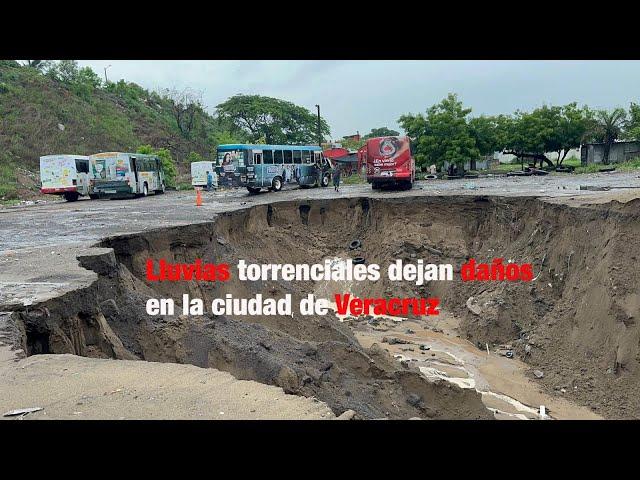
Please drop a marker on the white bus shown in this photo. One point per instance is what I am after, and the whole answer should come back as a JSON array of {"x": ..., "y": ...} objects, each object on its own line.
[
  {"x": 66, "y": 175},
  {"x": 199, "y": 174},
  {"x": 117, "y": 174}
]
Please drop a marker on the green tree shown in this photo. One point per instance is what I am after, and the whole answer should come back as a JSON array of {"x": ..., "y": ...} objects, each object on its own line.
[
  {"x": 546, "y": 129},
  {"x": 381, "y": 132},
  {"x": 607, "y": 128},
  {"x": 443, "y": 134},
  {"x": 194, "y": 157},
  {"x": 82, "y": 81},
  {"x": 632, "y": 129},
  {"x": 351, "y": 144},
  {"x": 40, "y": 65},
  {"x": 168, "y": 164},
  {"x": 488, "y": 133},
  {"x": 278, "y": 121}
]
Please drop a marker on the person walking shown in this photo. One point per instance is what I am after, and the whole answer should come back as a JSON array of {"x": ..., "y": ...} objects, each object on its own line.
[{"x": 336, "y": 178}]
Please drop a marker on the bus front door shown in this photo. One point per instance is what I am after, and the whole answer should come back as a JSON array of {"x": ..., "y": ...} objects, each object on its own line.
[
  {"x": 134, "y": 168},
  {"x": 257, "y": 169}
]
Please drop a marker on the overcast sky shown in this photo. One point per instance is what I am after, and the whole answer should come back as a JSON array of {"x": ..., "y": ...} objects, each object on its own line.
[{"x": 360, "y": 95}]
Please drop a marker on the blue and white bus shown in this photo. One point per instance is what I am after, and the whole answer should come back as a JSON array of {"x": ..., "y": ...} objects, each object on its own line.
[{"x": 271, "y": 166}]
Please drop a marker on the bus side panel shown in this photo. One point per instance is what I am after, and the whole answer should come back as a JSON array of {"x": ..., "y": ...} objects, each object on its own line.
[
  {"x": 57, "y": 174},
  {"x": 199, "y": 173}
]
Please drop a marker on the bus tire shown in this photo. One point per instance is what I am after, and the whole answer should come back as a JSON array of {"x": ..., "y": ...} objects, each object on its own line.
[
  {"x": 161, "y": 191},
  {"x": 325, "y": 180},
  {"x": 276, "y": 184},
  {"x": 71, "y": 196},
  {"x": 145, "y": 190}
]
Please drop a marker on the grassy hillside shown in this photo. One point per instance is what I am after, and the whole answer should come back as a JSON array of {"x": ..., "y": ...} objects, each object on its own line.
[{"x": 41, "y": 114}]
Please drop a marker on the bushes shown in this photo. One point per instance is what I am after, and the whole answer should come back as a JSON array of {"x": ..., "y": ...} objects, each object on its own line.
[
  {"x": 194, "y": 157},
  {"x": 8, "y": 182}
]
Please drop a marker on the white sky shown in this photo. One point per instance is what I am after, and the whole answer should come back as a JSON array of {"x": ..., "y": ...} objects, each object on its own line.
[{"x": 358, "y": 95}]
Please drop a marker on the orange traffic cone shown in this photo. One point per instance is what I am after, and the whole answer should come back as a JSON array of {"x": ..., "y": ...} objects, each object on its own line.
[{"x": 198, "y": 198}]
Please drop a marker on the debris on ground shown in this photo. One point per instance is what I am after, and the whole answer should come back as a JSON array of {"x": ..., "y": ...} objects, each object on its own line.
[
  {"x": 473, "y": 306},
  {"x": 594, "y": 188},
  {"x": 394, "y": 341},
  {"x": 347, "y": 415},
  {"x": 22, "y": 412}
]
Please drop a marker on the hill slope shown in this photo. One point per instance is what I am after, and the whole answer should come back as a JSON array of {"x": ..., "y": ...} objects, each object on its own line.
[{"x": 40, "y": 115}]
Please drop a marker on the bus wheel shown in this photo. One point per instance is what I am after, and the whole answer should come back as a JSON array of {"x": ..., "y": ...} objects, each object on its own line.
[
  {"x": 325, "y": 181},
  {"x": 162, "y": 190},
  {"x": 145, "y": 190},
  {"x": 276, "y": 185},
  {"x": 71, "y": 196}
]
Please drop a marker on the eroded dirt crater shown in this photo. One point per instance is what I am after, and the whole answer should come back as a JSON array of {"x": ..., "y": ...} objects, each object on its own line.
[{"x": 576, "y": 321}]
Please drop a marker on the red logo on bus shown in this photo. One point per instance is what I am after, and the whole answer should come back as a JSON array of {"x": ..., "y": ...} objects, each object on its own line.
[{"x": 388, "y": 147}]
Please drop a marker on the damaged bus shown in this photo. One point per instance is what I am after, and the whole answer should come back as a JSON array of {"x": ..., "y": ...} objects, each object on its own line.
[
  {"x": 121, "y": 175},
  {"x": 272, "y": 166},
  {"x": 65, "y": 175}
]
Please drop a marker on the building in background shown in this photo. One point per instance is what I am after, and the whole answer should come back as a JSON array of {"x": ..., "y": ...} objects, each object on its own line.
[
  {"x": 354, "y": 138},
  {"x": 619, "y": 152},
  {"x": 347, "y": 160}
]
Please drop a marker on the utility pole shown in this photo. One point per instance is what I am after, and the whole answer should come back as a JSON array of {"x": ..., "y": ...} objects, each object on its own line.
[
  {"x": 319, "y": 134},
  {"x": 105, "y": 74}
]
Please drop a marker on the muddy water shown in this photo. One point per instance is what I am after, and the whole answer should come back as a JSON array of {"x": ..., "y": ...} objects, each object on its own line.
[{"x": 506, "y": 384}]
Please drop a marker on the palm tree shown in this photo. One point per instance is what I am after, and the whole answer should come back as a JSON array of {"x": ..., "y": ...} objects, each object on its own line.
[{"x": 608, "y": 127}]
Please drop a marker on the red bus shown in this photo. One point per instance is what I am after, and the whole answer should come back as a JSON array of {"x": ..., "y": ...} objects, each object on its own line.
[{"x": 388, "y": 162}]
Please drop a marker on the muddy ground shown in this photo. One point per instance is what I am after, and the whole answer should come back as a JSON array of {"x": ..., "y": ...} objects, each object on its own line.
[{"x": 575, "y": 323}]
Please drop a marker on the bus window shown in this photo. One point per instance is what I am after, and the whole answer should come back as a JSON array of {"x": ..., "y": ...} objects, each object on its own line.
[
  {"x": 82, "y": 166},
  {"x": 306, "y": 156},
  {"x": 288, "y": 158},
  {"x": 268, "y": 156},
  {"x": 277, "y": 157},
  {"x": 257, "y": 158},
  {"x": 297, "y": 156}
]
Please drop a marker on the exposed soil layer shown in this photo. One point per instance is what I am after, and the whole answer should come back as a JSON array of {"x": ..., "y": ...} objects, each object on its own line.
[{"x": 576, "y": 321}]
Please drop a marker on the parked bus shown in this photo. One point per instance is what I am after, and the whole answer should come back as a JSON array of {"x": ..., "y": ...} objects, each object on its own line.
[
  {"x": 66, "y": 175},
  {"x": 117, "y": 174},
  {"x": 387, "y": 161},
  {"x": 199, "y": 174},
  {"x": 272, "y": 166}
]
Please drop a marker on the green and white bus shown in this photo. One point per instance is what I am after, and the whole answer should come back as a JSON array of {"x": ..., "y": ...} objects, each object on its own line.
[
  {"x": 271, "y": 166},
  {"x": 117, "y": 174}
]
